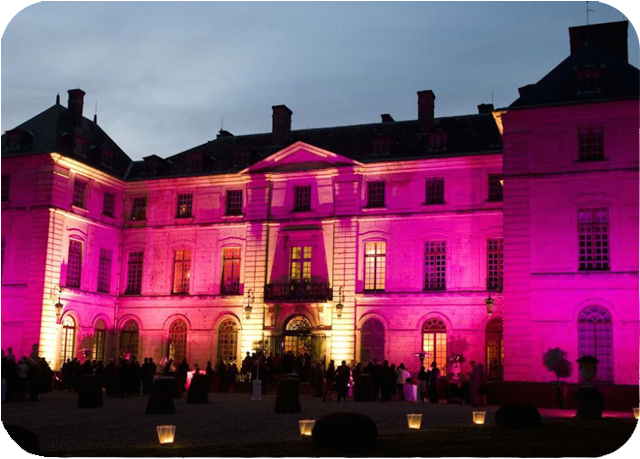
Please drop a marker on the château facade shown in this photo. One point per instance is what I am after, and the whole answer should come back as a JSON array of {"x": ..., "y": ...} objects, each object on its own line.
[{"x": 379, "y": 240}]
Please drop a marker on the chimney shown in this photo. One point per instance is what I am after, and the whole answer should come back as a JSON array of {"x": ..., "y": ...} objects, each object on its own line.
[
  {"x": 281, "y": 126},
  {"x": 76, "y": 101},
  {"x": 611, "y": 36},
  {"x": 485, "y": 108},
  {"x": 426, "y": 109},
  {"x": 386, "y": 118}
]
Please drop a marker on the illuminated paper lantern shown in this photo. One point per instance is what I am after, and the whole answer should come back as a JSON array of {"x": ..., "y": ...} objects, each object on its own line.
[
  {"x": 414, "y": 420},
  {"x": 635, "y": 412},
  {"x": 166, "y": 434},
  {"x": 478, "y": 417},
  {"x": 306, "y": 427}
]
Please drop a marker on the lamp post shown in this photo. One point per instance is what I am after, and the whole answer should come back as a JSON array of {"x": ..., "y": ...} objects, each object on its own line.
[
  {"x": 249, "y": 307},
  {"x": 340, "y": 305}
]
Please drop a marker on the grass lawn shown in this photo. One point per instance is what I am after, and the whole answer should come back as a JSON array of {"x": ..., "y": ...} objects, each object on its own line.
[{"x": 555, "y": 438}]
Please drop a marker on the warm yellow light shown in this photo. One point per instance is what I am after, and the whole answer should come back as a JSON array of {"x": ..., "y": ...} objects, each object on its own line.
[
  {"x": 414, "y": 420},
  {"x": 635, "y": 413},
  {"x": 166, "y": 434},
  {"x": 306, "y": 426},
  {"x": 479, "y": 416}
]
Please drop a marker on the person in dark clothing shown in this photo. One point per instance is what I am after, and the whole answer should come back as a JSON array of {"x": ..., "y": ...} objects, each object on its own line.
[
  {"x": 144, "y": 374},
  {"x": 342, "y": 380},
  {"x": 423, "y": 377},
  {"x": 434, "y": 378},
  {"x": 110, "y": 378},
  {"x": 329, "y": 378},
  {"x": 222, "y": 376},
  {"x": 183, "y": 369},
  {"x": 376, "y": 375},
  {"x": 33, "y": 378}
]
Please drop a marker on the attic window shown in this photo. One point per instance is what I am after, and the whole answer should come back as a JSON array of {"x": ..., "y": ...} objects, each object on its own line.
[
  {"x": 438, "y": 141},
  {"x": 150, "y": 165},
  {"x": 242, "y": 156},
  {"x": 589, "y": 79},
  {"x": 15, "y": 138},
  {"x": 78, "y": 146},
  {"x": 194, "y": 161},
  {"x": 382, "y": 145},
  {"x": 107, "y": 158}
]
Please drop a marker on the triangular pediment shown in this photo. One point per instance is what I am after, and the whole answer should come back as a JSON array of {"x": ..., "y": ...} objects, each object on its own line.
[{"x": 300, "y": 157}]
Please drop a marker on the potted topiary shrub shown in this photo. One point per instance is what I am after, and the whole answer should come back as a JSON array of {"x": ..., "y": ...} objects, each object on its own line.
[{"x": 555, "y": 360}]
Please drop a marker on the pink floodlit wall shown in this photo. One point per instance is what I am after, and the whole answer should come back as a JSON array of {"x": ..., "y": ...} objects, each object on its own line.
[{"x": 546, "y": 185}]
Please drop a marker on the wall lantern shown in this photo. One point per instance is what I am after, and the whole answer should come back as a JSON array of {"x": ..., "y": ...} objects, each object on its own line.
[
  {"x": 478, "y": 417},
  {"x": 488, "y": 302},
  {"x": 306, "y": 427},
  {"x": 249, "y": 307},
  {"x": 166, "y": 434},
  {"x": 340, "y": 305},
  {"x": 414, "y": 421},
  {"x": 635, "y": 413},
  {"x": 58, "y": 305}
]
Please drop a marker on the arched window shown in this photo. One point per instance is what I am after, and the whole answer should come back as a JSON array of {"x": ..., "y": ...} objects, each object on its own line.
[
  {"x": 595, "y": 338},
  {"x": 297, "y": 335},
  {"x": 98, "y": 340},
  {"x": 177, "y": 341},
  {"x": 129, "y": 338},
  {"x": 494, "y": 348},
  {"x": 372, "y": 341},
  {"x": 228, "y": 341},
  {"x": 68, "y": 343},
  {"x": 434, "y": 343}
]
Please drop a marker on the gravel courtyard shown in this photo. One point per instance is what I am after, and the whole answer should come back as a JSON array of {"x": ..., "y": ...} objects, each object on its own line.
[{"x": 228, "y": 419}]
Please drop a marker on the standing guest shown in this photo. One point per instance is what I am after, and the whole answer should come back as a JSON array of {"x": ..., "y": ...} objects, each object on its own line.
[
  {"x": 66, "y": 375},
  {"x": 423, "y": 377},
  {"x": 329, "y": 378},
  {"x": 222, "y": 375},
  {"x": 136, "y": 377},
  {"x": 477, "y": 385},
  {"x": 232, "y": 373},
  {"x": 183, "y": 369},
  {"x": 434, "y": 378},
  {"x": 33, "y": 377},
  {"x": 385, "y": 390},
  {"x": 110, "y": 378},
  {"x": 319, "y": 379},
  {"x": 400, "y": 381},
  {"x": 246, "y": 366},
  {"x": 342, "y": 380},
  {"x": 23, "y": 367},
  {"x": 209, "y": 371},
  {"x": 376, "y": 378},
  {"x": 144, "y": 373}
]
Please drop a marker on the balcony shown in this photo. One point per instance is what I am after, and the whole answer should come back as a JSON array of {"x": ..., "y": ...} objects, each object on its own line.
[{"x": 297, "y": 292}]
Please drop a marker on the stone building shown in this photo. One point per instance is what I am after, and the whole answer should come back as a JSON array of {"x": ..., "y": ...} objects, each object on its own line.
[{"x": 379, "y": 240}]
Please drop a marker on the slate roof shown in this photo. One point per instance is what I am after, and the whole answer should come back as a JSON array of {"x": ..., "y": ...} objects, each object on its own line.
[
  {"x": 53, "y": 131},
  {"x": 619, "y": 80}
]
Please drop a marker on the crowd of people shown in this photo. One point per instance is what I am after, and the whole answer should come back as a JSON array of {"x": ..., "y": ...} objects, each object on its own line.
[{"x": 374, "y": 381}]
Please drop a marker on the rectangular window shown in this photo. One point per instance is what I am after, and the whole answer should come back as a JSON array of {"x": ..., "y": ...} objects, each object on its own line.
[
  {"x": 107, "y": 204},
  {"x": 185, "y": 206},
  {"x": 234, "y": 202},
  {"x": 104, "y": 271},
  {"x": 375, "y": 194},
  {"x": 435, "y": 265},
  {"x": 6, "y": 187},
  {"x": 181, "y": 271},
  {"x": 593, "y": 234},
  {"x": 300, "y": 264},
  {"x": 375, "y": 257},
  {"x": 139, "y": 208},
  {"x": 434, "y": 191},
  {"x": 231, "y": 270},
  {"x": 495, "y": 264},
  {"x": 79, "y": 194},
  {"x": 74, "y": 264},
  {"x": 134, "y": 273},
  {"x": 302, "y": 199},
  {"x": 495, "y": 187},
  {"x": 591, "y": 144},
  {"x": 194, "y": 161}
]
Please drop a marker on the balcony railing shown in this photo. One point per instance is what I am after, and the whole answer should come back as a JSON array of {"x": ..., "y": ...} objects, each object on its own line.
[{"x": 295, "y": 292}]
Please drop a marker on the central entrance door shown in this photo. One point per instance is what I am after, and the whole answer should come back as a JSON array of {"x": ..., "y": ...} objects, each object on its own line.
[{"x": 297, "y": 338}]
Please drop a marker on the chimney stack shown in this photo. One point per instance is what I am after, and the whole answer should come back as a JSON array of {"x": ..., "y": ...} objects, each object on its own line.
[
  {"x": 611, "y": 36},
  {"x": 426, "y": 108},
  {"x": 76, "y": 101},
  {"x": 281, "y": 126},
  {"x": 485, "y": 108}
]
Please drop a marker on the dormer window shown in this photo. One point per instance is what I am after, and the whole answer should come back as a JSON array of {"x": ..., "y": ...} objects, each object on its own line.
[
  {"x": 194, "y": 161},
  {"x": 438, "y": 141},
  {"x": 78, "y": 146},
  {"x": 14, "y": 139},
  {"x": 107, "y": 158},
  {"x": 382, "y": 145},
  {"x": 588, "y": 79}
]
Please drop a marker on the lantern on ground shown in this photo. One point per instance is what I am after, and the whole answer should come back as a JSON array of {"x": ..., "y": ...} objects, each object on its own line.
[
  {"x": 478, "y": 417},
  {"x": 414, "y": 421},
  {"x": 635, "y": 413},
  {"x": 306, "y": 426},
  {"x": 166, "y": 434}
]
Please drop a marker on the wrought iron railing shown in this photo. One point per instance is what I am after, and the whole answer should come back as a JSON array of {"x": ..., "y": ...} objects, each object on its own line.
[{"x": 297, "y": 292}]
